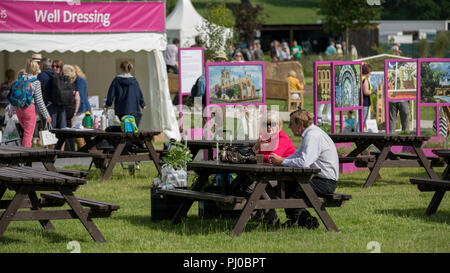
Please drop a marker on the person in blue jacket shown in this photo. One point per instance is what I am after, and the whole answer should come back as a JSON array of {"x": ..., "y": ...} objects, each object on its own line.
[{"x": 126, "y": 94}]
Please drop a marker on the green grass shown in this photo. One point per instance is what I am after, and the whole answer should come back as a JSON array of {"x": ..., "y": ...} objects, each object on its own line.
[
  {"x": 280, "y": 12},
  {"x": 391, "y": 212}
]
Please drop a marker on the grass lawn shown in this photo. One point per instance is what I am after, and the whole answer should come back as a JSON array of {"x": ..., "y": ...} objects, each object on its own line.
[{"x": 390, "y": 213}]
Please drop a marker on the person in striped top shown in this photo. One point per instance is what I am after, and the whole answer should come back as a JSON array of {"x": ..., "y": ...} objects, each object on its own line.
[{"x": 27, "y": 115}]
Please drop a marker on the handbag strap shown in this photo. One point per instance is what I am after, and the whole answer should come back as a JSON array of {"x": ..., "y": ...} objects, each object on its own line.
[{"x": 48, "y": 126}]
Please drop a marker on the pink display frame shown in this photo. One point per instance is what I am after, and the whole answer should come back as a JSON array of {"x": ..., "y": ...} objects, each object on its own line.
[
  {"x": 316, "y": 102},
  {"x": 341, "y": 109},
  {"x": 180, "y": 93},
  {"x": 263, "y": 83},
  {"x": 419, "y": 97},
  {"x": 386, "y": 92},
  {"x": 210, "y": 105}
]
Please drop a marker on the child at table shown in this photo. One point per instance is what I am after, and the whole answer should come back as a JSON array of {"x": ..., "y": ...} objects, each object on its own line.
[{"x": 350, "y": 123}]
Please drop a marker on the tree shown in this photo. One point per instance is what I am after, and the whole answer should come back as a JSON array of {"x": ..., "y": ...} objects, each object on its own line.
[
  {"x": 416, "y": 10},
  {"x": 343, "y": 15},
  {"x": 249, "y": 18},
  {"x": 211, "y": 36},
  {"x": 441, "y": 44}
]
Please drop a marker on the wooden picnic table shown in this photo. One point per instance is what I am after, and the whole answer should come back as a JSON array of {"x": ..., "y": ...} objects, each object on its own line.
[
  {"x": 439, "y": 186},
  {"x": 106, "y": 159},
  {"x": 15, "y": 155},
  {"x": 445, "y": 155},
  {"x": 233, "y": 199},
  {"x": 203, "y": 144},
  {"x": 26, "y": 181},
  {"x": 385, "y": 158}
]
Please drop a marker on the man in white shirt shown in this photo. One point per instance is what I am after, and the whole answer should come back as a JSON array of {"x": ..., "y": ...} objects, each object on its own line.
[
  {"x": 316, "y": 150},
  {"x": 171, "y": 56}
]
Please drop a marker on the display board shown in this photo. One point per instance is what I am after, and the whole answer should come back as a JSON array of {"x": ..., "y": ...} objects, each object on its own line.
[
  {"x": 346, "y": 91},
  {"x": 235, "y": 83},
  {"x": 322, "y": 85},
  {"x": 434, "y": 86},
  {"x": 191, "y": 62},
  {"x": 400, "y": 77}
]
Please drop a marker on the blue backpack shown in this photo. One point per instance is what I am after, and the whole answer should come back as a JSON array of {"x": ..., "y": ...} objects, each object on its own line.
[
  {"x": 128, "y": 124},
  {"x": 21, "y": 94}
]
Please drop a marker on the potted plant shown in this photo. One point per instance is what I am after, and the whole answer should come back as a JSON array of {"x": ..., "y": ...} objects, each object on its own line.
[{"x": 173, "y": 171}]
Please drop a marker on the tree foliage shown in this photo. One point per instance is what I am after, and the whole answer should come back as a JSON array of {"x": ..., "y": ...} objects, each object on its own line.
[
  {"x": 341, "y": 15},
  {"x": 211, "y": 36},
  {"x": 249, "y": 18},
  {"x": 416, "y": 10}
]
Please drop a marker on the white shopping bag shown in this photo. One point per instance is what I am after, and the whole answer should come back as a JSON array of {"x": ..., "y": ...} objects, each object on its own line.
[
  {"x": 372, "y": 126},
  {"x": 46, "y": 137}
]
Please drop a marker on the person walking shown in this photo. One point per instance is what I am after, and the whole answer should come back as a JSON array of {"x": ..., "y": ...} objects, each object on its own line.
[
  {"x": 126, "y": 94},
  {"x": 367, "y": 91},
  {"x": 72, "y": 109},
  {"x": 171, "y": 56},
  {"x": 27, "y": 115}
]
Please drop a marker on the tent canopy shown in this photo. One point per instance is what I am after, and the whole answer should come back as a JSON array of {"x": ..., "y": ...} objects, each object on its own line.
[{"x": 159, "y": 115}]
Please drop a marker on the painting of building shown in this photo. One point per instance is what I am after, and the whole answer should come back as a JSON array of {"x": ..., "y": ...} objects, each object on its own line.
[
  {"x": 235, "y": 84},
  {"x": 435, "y": 82},
  {"x": 402, "y": 80},
  {"x": 347, "y": 85},
  {"x": 323, "y": 82},
  {"x": 377, "y": 81}
]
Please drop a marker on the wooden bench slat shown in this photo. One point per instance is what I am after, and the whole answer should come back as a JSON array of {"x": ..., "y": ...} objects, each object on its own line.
[
  {"x": 430, "y": 181},
  {"x": 97, "y": 205},
  {"x": 203, "y": 195}
]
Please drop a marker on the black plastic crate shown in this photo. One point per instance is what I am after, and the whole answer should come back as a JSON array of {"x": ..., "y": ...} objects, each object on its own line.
[
  {"x": 164, "y": 207},
  {"x": 209, "y": 209}
]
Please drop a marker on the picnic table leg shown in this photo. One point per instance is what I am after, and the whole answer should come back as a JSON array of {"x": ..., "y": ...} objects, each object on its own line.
[
  {"x": 248, "y": 208},
  {"x": 360, "y": 147},
  {"x": 82, "y": 215},
  {"x": 186, "y": 204},
  {"x": 118, "y": 151},
  {"x": 375, "y": 171},
  {"x": 12, "y": 208},
  {"x": 153, "y": 154},
  {"x": 425, "y": 162},
  {"x": 49, "y": 166},
  {"x": 434, "y": 204},
  {"x": 316, "y": 203},
  {"x": 35, "y": 205}
]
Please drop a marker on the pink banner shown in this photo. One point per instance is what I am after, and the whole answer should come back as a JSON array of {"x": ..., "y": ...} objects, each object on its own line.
[{"x": 21, "y": 16}]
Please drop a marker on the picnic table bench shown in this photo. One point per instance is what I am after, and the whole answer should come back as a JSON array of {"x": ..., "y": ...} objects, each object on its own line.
[
  {"x": 26, "y": 181},
  {"x": 105, "y": 158},
  {"x": 233, "y": 199},
  {"x": 439, "y": 186},
  {"x": 385, "y": 158}
]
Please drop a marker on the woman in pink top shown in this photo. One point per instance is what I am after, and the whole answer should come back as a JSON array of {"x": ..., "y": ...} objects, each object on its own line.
[{"x": 273, "y": 139}]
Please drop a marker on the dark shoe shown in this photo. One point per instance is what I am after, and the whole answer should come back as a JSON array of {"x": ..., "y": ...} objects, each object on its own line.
[
  {"x": 302, "y": 219},
  {"x": 257, "y": 216},
  {"x": 312, "y": 223},
  {"x": 290, "y": 223}
]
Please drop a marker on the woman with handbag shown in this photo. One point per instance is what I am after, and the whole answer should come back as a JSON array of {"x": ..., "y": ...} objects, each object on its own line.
[{"x": 27, "y": 114}]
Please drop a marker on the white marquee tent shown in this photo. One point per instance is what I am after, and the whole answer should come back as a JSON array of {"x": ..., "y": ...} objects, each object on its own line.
[
  {"x": 184, "y": 23},
  {"x": 98, "y": 54}
]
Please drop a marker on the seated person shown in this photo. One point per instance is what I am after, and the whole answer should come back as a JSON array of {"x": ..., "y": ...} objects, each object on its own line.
[
  {"x": 316, "y": 150},
  {"x": 272, "y": 140}
]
